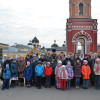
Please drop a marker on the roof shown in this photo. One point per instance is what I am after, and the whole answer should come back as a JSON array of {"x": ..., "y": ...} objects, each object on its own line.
[
  {"x": 29, "y": 44},
  {"x": 57, "y": 49},
  {"x": 21, "y": 46},
  {"x": 35, "y": 40},
  {"x": 4, "y": 46},
  {"x": 54, "y": 45}
]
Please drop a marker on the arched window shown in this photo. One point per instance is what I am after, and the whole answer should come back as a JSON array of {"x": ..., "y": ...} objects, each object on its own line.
[{"x": 80, "y": 9}]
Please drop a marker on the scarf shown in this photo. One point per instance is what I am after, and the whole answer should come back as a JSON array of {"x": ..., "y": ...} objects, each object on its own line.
[
  {"x": 57, "y": 71},
  {"x": 97, "y": 68}
]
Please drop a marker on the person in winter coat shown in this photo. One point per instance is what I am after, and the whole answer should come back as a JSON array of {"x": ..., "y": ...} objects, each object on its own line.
[
  {"x": 39, "y": 69},
  {"x": 57, "y": 72},
  {"x": 63, "y": 76},
  {"x": 28, "y": 74},
  {"x": 34, "y": 64},
  {"x": 86, "y": 71},
  {"x": 69, "y": 69},
  {"x": 48, "y": 72},
  {"x": 53, "y": 65},
  {"x": 21, "y": 67},
  {"x": 77, "y": 73},
  {"x": 6, "y": 77},
  {"x": 43, "y": 75},
  {"x": 7, "y": 61},
  {"x": 91, "y": 64},
  {"x": 67, "y": 59},
  {"x": 97, "y": 73},
  {"x": 14, "y": 72}
]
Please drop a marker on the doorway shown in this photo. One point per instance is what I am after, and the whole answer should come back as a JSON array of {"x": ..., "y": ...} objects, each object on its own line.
[{"x": 81, "y": 46}]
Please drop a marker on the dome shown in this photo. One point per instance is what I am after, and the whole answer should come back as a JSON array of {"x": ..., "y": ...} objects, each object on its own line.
[
  {"x": 35, "y": 40},
  {"x": 63, "y": 45},
  {"x": 29, "y": 44},
  {"x": 54, "y": 45}
]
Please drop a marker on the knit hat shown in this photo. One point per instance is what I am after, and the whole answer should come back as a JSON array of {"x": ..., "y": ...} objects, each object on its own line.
[
  {"x": 7, "y": 65},
  {"x": 63, "y": 66},
  {"x": 97, "y": 59},
  {"x": 68, "y": 63},
  {"x": 48, "y": 63},
  {"x": 85, "y": 55},
  {"x": 39, "y": 62},
  {"x": 85, "y": 61},
  {"x": 28, "y": 62},
  {"x": 59, "y": 62}
]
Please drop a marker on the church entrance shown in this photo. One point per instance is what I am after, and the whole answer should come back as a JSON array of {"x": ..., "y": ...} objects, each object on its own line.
[{"x": 81, "y": 46}]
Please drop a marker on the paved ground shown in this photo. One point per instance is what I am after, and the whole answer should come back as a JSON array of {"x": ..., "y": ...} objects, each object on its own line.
[{"x": 23, "y": 93}]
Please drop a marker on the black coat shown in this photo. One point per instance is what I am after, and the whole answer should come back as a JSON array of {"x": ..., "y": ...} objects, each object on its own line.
[{"x": 66, "y": 60}]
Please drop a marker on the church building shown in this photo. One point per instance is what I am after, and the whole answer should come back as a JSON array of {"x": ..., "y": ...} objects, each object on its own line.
[{"x": 81, "y": 29}]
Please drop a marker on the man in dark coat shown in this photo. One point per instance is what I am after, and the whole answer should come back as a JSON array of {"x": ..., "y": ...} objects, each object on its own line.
[
  {"x": 53, "y": 65},
  {"x": 54, "y": 55},
  {"x": 66, "y": 60},
  {"x": 91, "y": 64}
]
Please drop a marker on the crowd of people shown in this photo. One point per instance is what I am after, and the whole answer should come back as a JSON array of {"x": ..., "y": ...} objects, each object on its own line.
[{"x": 62, "y": 71}]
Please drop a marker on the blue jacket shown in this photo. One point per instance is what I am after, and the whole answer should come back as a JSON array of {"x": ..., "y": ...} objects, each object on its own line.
[
  {"x": 39, "y": 70},
  {"x": 28, "y": 73},
  {"x": 6, "y": 73},
  {"x": 14, "y": 70}
]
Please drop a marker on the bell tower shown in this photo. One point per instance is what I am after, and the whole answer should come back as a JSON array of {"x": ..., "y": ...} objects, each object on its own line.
[
  {"x": 79, "y": 8},
  {"x": 81, "y": 29}
]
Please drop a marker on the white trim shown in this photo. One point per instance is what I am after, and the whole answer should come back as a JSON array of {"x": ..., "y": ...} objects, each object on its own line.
[{"x": 77, "y": 34}]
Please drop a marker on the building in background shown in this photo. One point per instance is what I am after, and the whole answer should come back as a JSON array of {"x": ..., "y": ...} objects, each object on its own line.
[
  {"x": 17, "y": 50},
  {"x": 2, "y": 46},
  {"x": 59, "y": 49},
  {"x": 81, "y": 29}
]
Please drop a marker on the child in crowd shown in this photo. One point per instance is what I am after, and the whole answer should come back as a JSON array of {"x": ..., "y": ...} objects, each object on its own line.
[
  {"x": 6, "y": 77},
  {"x": 63, "y": 76},
  {"x": 97, "y": 73},
  {"x": 77, "y": 73},
  {"x": 48, "y": 72},
  {"x": 86, "y": 71},
  {"x": 57, "y": 71},
  {"x": 28, "y": 74},
  {"x": 69, "y": 69},
  {"x": 14, "y": 73},
  {"x": 39, "y": 69}
]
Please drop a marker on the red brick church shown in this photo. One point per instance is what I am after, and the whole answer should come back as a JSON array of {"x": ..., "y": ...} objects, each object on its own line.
[{"x": 81, "y": 29}]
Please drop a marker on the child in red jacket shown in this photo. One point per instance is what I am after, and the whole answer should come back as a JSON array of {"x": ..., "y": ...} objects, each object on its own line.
[{"x": 48, "y": 72}]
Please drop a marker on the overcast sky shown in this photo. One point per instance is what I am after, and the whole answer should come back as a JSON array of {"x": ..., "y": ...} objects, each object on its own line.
[{"x": 21, "y": 20}]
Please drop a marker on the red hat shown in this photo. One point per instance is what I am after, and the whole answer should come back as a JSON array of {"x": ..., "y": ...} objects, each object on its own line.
[
  {"x": 48, "y": 63},
  {"x": 85, "y": 55}
]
